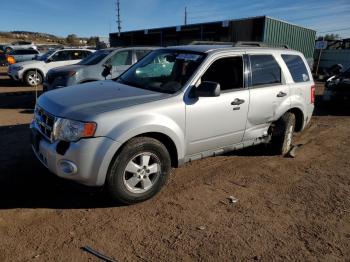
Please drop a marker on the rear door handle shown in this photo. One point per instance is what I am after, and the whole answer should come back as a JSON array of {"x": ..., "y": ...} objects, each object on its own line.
[
  {"x": 281, "y": 94},
  {"x": 237, "y": 102}
]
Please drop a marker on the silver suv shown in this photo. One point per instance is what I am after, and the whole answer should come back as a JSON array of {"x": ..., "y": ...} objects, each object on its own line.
[
  {"x": 177, "y": 104},
  {"x": 91, "y": 68}
]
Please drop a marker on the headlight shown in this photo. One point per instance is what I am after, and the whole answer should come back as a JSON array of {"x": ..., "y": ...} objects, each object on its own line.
[{"x": 71, "y": 131}]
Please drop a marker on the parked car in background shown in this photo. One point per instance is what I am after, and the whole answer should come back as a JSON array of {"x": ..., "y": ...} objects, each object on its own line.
[
  {"x": 2, "y": 48},
  {"x": 21, "y": 55},
  {"x": 338, "y": 87},
  {"x": 178, "y": 104},
  {"x": 90, "y": 69},
  {"x": 3, "y": 59},
  {"x": 20, "y": 45},
  {"x": 33, "y": 72}
]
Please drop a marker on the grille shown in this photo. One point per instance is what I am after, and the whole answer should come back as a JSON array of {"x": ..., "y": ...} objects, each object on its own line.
[{"x": 45, "y": 122}]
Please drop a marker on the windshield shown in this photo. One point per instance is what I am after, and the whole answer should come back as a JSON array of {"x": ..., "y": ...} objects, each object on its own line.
[
  {"x": 163, "y": 70},
  {"x": 95, "y": 58},
  {"x": 45, "y": 56}
]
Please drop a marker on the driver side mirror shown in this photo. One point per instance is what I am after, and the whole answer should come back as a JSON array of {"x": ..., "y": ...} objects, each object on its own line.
[
  {"x": 107, "y": 70},
  {"x": 49, "y": 60},
  {"x": 208, "y": 89}
]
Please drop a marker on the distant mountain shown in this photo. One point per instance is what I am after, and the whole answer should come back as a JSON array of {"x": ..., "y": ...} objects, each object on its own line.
[{"x": 40, "y": 38}]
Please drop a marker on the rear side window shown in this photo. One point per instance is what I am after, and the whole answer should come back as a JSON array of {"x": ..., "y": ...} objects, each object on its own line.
[
  {"x": 25, "y": 52},
  {"x": 141, "y": 53},
  {"x": 76, "y": 55},
  {"x": 265, "y": 70},
  {"x": 296, "y": 68}
]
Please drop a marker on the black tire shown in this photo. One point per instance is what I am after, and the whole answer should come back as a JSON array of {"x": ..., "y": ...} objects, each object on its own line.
[
  {"x": 117, "y": 182},
  {"x": 31, "y": 80},
  {"x": 282, "y": 134}
]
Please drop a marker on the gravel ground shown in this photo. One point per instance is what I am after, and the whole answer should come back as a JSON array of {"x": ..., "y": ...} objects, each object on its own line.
[{"x": 287, "y": 208}]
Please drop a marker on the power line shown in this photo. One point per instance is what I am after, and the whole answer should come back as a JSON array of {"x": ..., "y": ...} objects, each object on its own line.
[
  {"x": 118, "y": 17},
  {"x": 336, "y": 30}
]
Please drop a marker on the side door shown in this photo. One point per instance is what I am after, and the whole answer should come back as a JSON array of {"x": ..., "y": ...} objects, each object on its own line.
[
  {"x": 300, "y": 81},
  {"x": 60, "y": 58},
  {"x": 120, "y": 62},
  {"x": 218, "y": 122},
  {"x": 269, "y": 94},
  {"x": 75, "y": 56}
]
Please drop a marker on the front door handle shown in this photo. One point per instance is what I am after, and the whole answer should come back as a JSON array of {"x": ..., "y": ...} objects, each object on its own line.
[
  {"x": 237, "y": 102},
  {"x": 281, "y": 94}
]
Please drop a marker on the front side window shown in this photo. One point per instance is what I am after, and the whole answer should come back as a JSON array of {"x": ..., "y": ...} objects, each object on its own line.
[
  {"x": 163, "y": 70},
  {"x": 121, "y": 58},
  {"x": 296, "y": 68},
  {"x": 265, "y": 70},
  {"x": 61, "y": 56},
  {"x": 228, "y": 72}
]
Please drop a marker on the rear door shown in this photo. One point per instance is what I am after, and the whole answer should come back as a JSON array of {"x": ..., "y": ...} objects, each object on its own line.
[
  {"x": 269, "y": 93},
  {"x": 301, "y": 82},
  {"x": 76, "y": 56}
]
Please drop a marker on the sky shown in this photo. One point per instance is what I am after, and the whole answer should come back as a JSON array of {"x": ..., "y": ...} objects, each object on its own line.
[{"x": 98, "y": 17}]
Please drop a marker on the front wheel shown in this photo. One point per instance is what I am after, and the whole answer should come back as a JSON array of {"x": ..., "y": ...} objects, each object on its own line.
[
  {"x": 282, "y": 134},
  {"x": 33, "y": 78},
  {"x": 139, "y": 171}
]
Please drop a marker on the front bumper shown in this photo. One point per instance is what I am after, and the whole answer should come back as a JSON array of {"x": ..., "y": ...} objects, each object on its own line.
[
  {"x": 14, "y": 75},
  {"x": 91, "y": 157}
]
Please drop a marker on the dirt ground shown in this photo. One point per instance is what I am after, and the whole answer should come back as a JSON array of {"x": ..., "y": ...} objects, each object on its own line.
[{"x": 287, "y": 209}]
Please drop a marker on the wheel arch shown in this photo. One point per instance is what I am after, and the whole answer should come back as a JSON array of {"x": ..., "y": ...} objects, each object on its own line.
[
  {"x": 299, "y": 118},
  {"x": 33, "y": 69},
  {"x": 161, "y": 137}
]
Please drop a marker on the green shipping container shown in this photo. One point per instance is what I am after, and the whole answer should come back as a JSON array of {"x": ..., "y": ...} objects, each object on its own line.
[
  {"x": 296, "y": 37},
  {"x": 261, "y": 29}
]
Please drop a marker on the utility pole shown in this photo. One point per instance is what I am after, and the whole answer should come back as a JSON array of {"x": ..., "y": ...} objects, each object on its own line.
[
  {"x": 118, "y": 18},
  {"x": 185, "y": 15}
]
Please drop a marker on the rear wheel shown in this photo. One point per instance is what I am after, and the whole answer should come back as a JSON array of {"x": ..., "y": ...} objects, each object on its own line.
[
  {"x": 282, "y": 134},
  {"x": 33, "y": 78},
  {"x": 139, "y": 171}
]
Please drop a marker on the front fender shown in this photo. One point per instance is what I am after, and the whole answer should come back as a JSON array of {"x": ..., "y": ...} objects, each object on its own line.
[{"x": 152, "y": 123}]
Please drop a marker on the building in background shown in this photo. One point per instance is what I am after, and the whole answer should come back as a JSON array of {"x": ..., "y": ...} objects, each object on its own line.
[
  {"x": 262, "y": 29},
  {"x": 334, "y": 52}
]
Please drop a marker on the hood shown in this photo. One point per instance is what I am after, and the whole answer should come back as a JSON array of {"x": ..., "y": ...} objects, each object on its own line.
[
  {"x": 30, "y": 62},
  {"x": 83, "y": 102},
  {"x": 66, "y": 68}
]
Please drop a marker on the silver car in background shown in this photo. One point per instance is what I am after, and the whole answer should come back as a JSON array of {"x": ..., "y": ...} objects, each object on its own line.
[
  {"x": 20, "y": 45},
  {"x": 21, "y": 55},
  {"x": 176, "y": 105},
  {"x": 91, "y": 68}
]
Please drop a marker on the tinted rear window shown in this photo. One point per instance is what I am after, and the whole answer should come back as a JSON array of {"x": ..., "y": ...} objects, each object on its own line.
[
  {"x": 265, "y": 70},
  {"x": 296, "y": 68},
  {"x": 24, "y": 52}
]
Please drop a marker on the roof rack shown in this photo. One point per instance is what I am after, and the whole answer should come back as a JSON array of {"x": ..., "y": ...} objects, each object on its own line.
[
  {"x": 210, "y": 43},
  {"x": 258, "y": 44}
]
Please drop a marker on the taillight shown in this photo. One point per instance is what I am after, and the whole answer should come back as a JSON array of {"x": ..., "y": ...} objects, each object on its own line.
[{"x": 312, "y": 97}]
